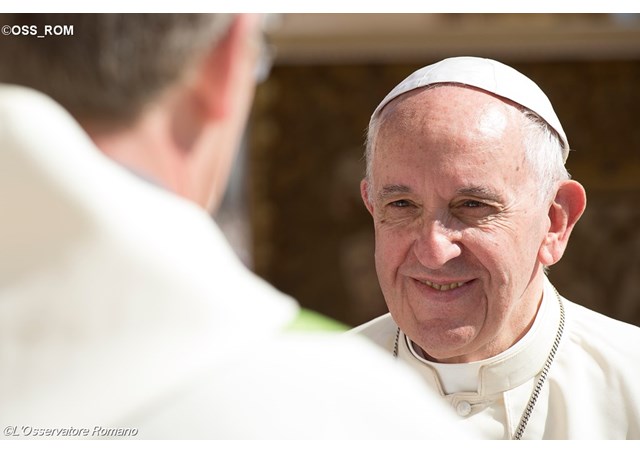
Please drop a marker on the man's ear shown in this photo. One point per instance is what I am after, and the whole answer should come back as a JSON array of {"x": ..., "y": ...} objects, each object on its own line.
[
  {"x": 364, "y": 193},
  {"x": 565, "y": 210}
]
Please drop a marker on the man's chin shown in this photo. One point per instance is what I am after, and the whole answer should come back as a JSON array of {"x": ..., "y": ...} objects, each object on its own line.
[{"x": 446, "y": 344}]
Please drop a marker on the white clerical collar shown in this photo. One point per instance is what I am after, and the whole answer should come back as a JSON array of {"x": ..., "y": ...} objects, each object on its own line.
[{"x": 507, "y": 370}]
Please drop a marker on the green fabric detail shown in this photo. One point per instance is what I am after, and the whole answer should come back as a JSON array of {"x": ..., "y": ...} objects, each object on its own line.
[{"x": 311, "y": 321}]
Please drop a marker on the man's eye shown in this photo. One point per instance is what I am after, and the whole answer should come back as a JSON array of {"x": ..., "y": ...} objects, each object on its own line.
[
  {"x": 400, "y": 204},
  {"x": 473, "y": 204}
]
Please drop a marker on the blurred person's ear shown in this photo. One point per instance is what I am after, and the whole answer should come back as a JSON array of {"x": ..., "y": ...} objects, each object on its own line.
[
  {"x": 218, "y": 101},
  {"x": 225, "y": 69}
]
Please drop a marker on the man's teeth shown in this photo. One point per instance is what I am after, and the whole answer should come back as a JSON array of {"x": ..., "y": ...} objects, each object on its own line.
[{"x": 443, "y": 287}]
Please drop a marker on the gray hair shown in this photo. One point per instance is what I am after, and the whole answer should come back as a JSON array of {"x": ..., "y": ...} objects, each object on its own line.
[
  {"x": 543, "y": 151},
  {"x": 114, "y": 65}
]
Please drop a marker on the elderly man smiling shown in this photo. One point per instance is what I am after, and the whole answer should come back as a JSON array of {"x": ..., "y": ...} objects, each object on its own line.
[{"x": 471, "y": 203}]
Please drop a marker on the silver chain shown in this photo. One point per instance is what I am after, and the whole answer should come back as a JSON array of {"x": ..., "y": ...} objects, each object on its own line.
[
  {"x": 541, "y": 378},
  {"x": 395, "y": 345},
  {"x": 543, "y": 375}
]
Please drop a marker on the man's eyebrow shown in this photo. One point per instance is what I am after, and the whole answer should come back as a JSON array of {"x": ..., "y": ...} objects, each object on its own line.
[
  {"x": 393, "y": 190},
  {"x": 478, "y": 191}
]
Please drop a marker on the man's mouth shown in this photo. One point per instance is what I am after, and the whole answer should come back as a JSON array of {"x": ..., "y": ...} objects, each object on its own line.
[{"x": 443, "y": 287}]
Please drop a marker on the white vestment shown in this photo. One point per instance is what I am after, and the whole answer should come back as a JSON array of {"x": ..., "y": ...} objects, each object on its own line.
[
  {"x": 123, "y": 307},
  {"x": 592, "y": 390}
]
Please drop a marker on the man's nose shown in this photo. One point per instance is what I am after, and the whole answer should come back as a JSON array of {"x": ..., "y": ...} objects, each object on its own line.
[{"x": 436, "y": 245}]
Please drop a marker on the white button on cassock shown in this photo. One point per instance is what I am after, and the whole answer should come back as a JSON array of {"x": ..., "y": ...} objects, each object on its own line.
[{"x": 463, "y": 408}]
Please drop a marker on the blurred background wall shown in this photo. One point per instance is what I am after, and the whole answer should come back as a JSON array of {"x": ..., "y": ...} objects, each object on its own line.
[{"x": 294, "y": 211}]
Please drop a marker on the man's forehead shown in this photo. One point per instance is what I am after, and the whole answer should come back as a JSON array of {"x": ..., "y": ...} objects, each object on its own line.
[
  {"x": 437, "y": 100},
  {"x": 441, "y": 122}
]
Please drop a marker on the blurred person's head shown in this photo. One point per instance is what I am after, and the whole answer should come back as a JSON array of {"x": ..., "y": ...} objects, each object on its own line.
[
  {"x": 470, "y": 201},
  {"x": 166, "y": 95}
]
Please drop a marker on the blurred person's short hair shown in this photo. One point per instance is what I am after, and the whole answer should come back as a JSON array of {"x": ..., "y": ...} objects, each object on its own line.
[{"x": 113, "y": 65}]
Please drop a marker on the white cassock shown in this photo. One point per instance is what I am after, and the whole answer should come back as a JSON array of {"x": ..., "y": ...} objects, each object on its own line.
[
  {"x": 123, "y": 307},
  {"x": 592, "y": 390}
]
